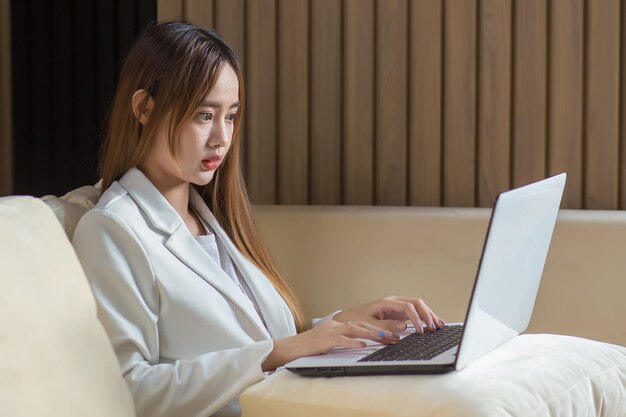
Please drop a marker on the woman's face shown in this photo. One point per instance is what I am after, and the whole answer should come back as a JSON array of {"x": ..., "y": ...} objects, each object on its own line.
[{"x": 204, "y": 139}]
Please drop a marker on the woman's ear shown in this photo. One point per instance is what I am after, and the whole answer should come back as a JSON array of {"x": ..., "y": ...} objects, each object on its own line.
[{"x": 142, "y": 105}]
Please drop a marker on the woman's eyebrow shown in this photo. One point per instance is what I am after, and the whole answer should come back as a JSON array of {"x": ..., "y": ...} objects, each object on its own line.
[{"x": 218, "y": 105}]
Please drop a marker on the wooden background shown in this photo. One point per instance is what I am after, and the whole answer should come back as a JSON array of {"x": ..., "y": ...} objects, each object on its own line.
[{"x": 426, "y": 102}]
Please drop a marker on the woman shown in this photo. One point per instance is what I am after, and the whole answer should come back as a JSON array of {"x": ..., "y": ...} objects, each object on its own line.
[{"x": 191, "y": 301}]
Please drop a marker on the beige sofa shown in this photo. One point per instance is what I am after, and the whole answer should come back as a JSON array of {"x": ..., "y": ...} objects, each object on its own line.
[
  {"x": 58, "y": 361},
  {"x": 341, "y": 256}
]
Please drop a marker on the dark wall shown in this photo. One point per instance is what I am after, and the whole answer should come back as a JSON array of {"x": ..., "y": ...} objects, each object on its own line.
[{"x": 66, "y": 59}]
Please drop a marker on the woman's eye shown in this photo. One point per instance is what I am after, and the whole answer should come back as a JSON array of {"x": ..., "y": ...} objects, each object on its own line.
[
  {"x": 205, "y": 117},
  {"x": 232, "y": 117}
]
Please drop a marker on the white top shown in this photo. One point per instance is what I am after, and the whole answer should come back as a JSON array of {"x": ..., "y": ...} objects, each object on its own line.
[{"x": 218, "y": 253}]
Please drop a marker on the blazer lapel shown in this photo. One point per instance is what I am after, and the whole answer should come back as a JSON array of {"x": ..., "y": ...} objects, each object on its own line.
[
  {"x": 183, "y": 245},
  {"x": 276, "y": 313}
]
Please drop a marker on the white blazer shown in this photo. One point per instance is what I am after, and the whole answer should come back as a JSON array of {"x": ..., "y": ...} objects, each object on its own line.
[{"x": 188, "y": 340}]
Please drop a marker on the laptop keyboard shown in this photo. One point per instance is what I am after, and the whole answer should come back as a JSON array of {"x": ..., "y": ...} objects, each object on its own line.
[{"x": 419, "y": 346}]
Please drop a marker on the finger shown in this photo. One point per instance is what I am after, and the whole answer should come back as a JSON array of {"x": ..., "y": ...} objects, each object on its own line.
[
  {"x": 412, "y": 314},
  {"x": 365, "y": 330},
  {"x": 383, "y": 335},
  {"x": 403, "y": 309},
  {"x": 429, "y": 317},
  {"x": 424, "y": 312},
  {"x": 438, "y": 322},
  {"x": 391, "y": 325},
  {"x": 346, "y": 342}
]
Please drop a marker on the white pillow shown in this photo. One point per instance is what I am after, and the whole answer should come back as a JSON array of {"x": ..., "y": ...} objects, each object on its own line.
[
  {"x": 529, "y": 376},
  {"x": 71, "y": 207}
]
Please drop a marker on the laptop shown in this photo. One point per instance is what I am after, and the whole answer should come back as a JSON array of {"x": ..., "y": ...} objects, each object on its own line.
[{"x": 503, "y": 297}]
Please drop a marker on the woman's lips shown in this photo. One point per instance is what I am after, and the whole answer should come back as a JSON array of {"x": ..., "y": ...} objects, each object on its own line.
[{"x": 211, "y": 163}]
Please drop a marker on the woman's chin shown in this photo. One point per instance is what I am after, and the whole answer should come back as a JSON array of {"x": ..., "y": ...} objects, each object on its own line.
[{"x": 202, "y": 180}]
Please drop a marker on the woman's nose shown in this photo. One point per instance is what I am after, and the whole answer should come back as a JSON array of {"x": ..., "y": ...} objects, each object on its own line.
[{"x": 218, "y": 137}]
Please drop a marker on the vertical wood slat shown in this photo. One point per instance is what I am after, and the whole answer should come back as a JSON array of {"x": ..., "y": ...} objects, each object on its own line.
[
  {"x": 293, "y": 102},
  {"x": 459, "y": 103},
  {"x": 171, "y": 9},
  {"x": 391, "y": 102},
  {"x": 230, "y": 25},
  {"x": 200, "y": 12},
  {"x": 262, "y": 101},
  {"x": 529, "y": 84},
  {"x": 425, "y": 103},
  {"x": 6, "y": 134},
  {"x": 494, "y": 100},
  {"x": 566, "y": 97},
  {"x": 325, "y": 109},
  {"x": 622, "y": 139},
  {"x": 602, "y": 95},
  {"x": 358, "y": 102}
]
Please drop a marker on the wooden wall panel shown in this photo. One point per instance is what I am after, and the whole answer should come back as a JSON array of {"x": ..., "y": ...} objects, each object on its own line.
[
  {"x": 425, "y": 72},
  {"x": 326, "y": 150},
  {"x": 427, "y": 102},
  {"x": 390, "y": 163},
  {"x": 230, "y": 24},
  {"x": 529, "y": 84},
  {"x": 494, "y": 113},
  {"x": 602, "y": 101},
  {"x": 358, "y": 102},
  {"x": 262, "y": 100},
  {"x": 459, "y": 95},
  {"x": 293, "y": 102},
  {"x": 200, "y": 12},
  {"x": 566, "y": 97},
  {"x": 173, "y": 9},
  {"x": 622, "y": 113}
]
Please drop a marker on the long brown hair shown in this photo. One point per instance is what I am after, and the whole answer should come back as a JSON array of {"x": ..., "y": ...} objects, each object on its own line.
[{"x": 178, "y": 64}]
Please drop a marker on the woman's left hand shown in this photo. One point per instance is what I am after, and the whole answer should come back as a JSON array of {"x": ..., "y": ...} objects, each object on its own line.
[{"x": 390, "y": 313}]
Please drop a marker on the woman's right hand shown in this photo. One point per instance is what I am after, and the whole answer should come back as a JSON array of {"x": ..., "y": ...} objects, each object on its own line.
[{"x": 322, "y": 339}]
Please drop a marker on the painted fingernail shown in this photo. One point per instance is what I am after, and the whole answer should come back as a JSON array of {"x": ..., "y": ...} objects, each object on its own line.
[{"x": 381, "y": 333}]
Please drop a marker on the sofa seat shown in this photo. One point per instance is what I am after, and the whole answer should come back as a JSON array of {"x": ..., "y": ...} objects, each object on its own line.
[{"x": 529, "y": 376}]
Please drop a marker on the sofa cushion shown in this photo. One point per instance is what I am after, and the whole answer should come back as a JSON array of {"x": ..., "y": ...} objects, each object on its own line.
[
  {"x": 530, "y": 376},
  {"x": 71, "y": 207},
  {"x": 57, "y": 360}
]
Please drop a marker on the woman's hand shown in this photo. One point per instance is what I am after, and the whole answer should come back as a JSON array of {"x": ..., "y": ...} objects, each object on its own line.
[
  {"x": 390, "y": 313},
  {"x": 324, "y": 338}
]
